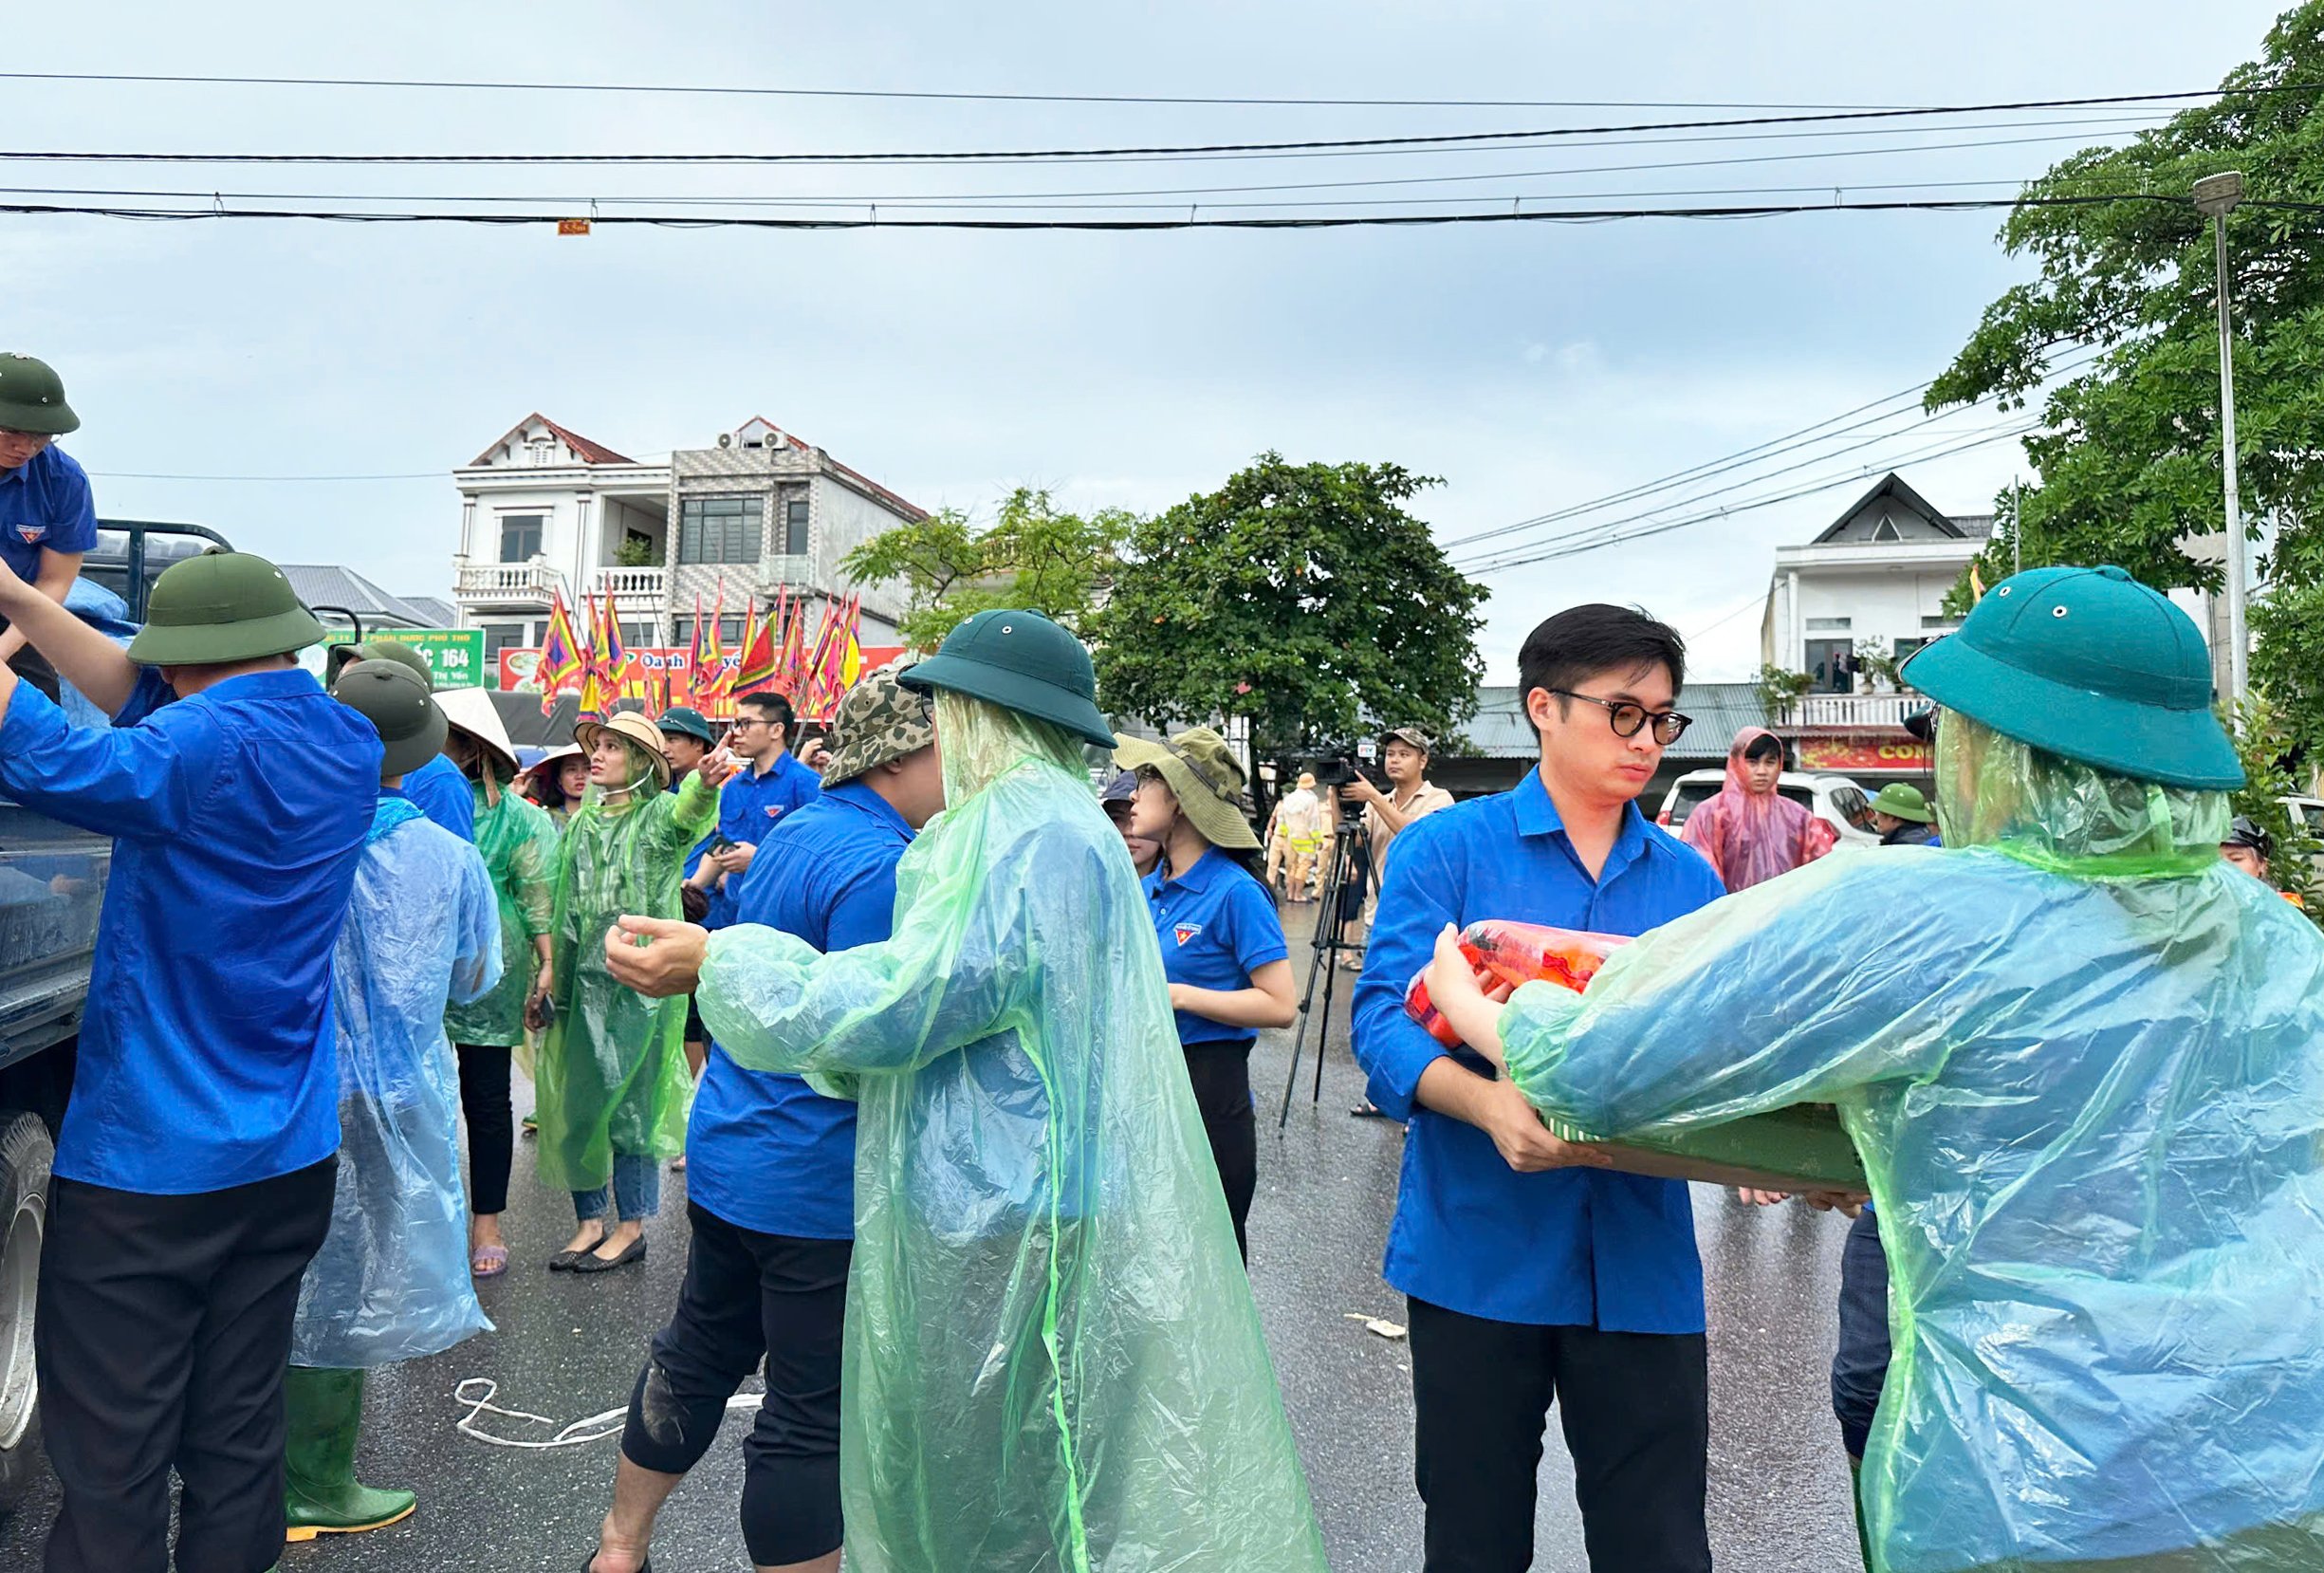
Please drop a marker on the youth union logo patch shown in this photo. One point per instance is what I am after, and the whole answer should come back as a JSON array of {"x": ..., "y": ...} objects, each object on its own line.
[
  {"x": 1186, "y": 931},
  {"x": 31, "y": 532}
]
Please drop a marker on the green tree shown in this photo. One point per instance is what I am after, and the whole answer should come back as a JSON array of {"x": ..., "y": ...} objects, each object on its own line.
[
  {"x": 2266, "y": 744},
  {"x": 2129, "y": 456},
  {"x": 1779, "y": 688},
  {"x": 1031, "y": 556},
  {"x": 1300, "y": 598}
]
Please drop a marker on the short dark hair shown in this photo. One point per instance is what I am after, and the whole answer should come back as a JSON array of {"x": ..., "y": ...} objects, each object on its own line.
[
  {"x": 773, "y": 709},
  {"x": 1766, "y": 744},
  {"x": 1581, "y": 642}
]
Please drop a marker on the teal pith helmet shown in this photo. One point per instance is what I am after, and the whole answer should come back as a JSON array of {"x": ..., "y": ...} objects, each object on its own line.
[
  {"x": 2093, "y": 666},
  {"x": 1021, "y": 662},
  {"x": 32, "y": 398},
  {"x": 220, "y": 608},
  {"x": 686, "y": 721}
]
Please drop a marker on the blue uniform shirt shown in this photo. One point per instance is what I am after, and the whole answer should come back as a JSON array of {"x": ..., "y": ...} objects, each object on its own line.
[
  {"x": 766, "y": 1151},
  {"x": 1217, "y": 926},
  {"x": 44, "y": 504},
  {"x": 439, "y": 790},
  {"x": 239, "y": 816},
  {"x": 749, "y": 805},
  {"x": 1566, "y": 1247}
]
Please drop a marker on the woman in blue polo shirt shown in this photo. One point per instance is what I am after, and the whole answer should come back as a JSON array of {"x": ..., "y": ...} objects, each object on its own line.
[{"x": 1222, "y": 944}]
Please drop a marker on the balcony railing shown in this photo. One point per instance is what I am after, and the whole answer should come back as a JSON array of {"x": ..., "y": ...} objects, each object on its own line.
[
  {"x": 1855, "y": 709},
  {"x": 634, "y": 585},
  {"x": 511, "y": 583}
]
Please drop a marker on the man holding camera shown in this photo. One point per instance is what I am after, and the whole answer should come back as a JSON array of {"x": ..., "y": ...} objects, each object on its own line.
[{"x": 1409, "y": 796}]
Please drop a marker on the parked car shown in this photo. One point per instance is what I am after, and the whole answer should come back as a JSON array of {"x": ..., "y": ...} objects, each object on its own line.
[{"x": 1835, "y": 799}]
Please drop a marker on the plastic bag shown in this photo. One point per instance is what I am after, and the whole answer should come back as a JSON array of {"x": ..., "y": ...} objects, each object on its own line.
[
  {"x": 392, "y": 1282},
  {"x": 2084, "y": 1061},
  {"x": 1052, "y": 1359},
  {"x": 1515, "y": 954},
  {"x": 611, "y": 1074},
  {"x": 519, "y": 846}
]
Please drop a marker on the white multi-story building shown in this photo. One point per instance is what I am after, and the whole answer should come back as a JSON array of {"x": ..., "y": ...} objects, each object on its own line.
[
  {"x": 1881, "y": 571},
  {"x": 544, "y": 509}
]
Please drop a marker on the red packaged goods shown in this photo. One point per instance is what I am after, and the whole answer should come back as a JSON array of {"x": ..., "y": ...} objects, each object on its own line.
[{"x": 1516, "y": 955}]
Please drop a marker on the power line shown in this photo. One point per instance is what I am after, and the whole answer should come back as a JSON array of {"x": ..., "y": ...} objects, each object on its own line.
[
  {"x": 149, "y": 475},
  {"x": 1466, "y": 141},
  {"x": 1611, "y": 534},
  {"x": 698, "y": 221}
]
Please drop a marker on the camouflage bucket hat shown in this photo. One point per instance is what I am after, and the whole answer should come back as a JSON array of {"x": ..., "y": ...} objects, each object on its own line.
[{"x": 877, "y": 721}]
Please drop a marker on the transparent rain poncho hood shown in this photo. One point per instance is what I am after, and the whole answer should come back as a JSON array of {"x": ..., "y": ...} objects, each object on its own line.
[
  {"x": 2084, "y": 1062},
  {"x": 1053, "y": 1358},
  {"x": 611, "y": 1074},
  {"x": 1752, "y": 837},
  {"x": 390, "y": 1281},
  {"x": 518, "y": 843}
]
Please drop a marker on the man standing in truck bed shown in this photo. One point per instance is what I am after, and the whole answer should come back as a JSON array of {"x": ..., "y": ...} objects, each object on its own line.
[
  {"x": 47, "y": 519},
  {"x": 194, "y": 1169}
]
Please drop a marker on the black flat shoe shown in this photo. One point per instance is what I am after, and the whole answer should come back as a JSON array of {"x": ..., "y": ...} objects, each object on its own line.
[
  {"x": 591, "y": 1261},
  {"x": 1368, "y": 1110},
  {"x": 590, "y": 1561},
  {"x": 563, "y": 1260}
]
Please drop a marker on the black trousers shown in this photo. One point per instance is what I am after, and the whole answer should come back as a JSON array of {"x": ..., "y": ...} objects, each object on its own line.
[
  {"x": 749, "y": 1297},
  {"x": 160, "y": 1339},
  {"x": 491, "y": 1125},
  {"x": 1222, "y": 1077},
  {"x": 1860, "y": 1367},
  {"x": 1636, "y": 1413}
]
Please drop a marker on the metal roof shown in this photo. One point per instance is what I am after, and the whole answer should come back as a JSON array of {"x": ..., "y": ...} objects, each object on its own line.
[
  {"x": 328, "y": 584},
  {"x": 1499, "y": 730}
]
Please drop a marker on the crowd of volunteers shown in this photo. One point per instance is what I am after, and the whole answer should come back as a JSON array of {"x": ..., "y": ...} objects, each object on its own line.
[{"x": 955, "y": 1051}]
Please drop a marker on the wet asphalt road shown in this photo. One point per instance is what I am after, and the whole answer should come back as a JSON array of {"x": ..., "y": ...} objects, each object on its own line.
[{"x": 570, "y": 1347}]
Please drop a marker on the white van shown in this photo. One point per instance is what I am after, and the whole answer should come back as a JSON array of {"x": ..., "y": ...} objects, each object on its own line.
[{"x": 1835, "y": 799}]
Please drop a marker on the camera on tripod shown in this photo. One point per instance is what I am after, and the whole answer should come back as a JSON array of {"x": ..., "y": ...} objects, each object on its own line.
[{"x": 1334, "y": 771}]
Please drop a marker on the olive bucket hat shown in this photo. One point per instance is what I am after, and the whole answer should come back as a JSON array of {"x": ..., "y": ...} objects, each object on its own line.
[
  {"x": 411, "y": 728},
  {"x": 1201, "y": 769},
  {"x": 1021, "y": 662},
  {"x": 877, "y": 722},
  {"x": 32, "y": 398},
  {"x": 219, "y": 607},
  {"x": 2093, "y": 666}
]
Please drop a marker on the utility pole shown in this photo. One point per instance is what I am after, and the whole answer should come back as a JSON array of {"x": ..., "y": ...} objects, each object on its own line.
[
  {"x": 2215, "y": 197},
  {"x": 2016, "y": 526}
]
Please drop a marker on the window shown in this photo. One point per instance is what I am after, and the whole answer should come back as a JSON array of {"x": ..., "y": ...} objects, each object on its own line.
[
  {"x": 520, "y": 537},
  {"x": 793, "y": 519},
  {"x": 499, "y": 637},
  {"x": 718, "y": 530},
  {"x": 1832, "y": 664},
  {"x": 729, "y": 631},
  {"x": 1906, "y": 647},
  {"x": 1829, "y": 625}
]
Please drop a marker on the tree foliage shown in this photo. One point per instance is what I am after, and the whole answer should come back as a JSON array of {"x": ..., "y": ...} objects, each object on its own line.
[
  {"x": 2129, "y": 459},
  {"x": 1299, "y": 597},
  {"x": 1031, "y": 556},
  {"x": 1779, "y": 689},
  {"x": 2266, "y": 743}
]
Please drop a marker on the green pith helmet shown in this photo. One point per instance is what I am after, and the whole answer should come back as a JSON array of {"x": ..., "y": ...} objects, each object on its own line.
[
  {"x": 1021, "y": 662},
  {"x": 1902, "y": 801},
  {"x": 686, "y": 721},
  {"x": 32, "y": 398},
  {"x": 219, "y": 607},
  {"x": 397, "y": 704},
  {"x": 2091, "y": 666},
  {"x": 345, "y": 656}
]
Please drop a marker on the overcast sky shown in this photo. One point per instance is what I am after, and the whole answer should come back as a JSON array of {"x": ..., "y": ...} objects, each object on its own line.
[{"x": 1532, "y": 367}]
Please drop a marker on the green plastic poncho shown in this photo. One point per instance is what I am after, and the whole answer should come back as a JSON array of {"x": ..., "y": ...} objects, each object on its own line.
[
  {"x": 2084, "y": 1061},
  {"x": 519, "y": 845},
  {"x": 1052, "y": 1359},
  {"x": 611, "y": 1075}
]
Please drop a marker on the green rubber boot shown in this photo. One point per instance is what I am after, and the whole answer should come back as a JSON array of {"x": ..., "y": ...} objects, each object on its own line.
[
  {"x": 325, "y": 1415},
  {"x": 1855, "y": 1492}
]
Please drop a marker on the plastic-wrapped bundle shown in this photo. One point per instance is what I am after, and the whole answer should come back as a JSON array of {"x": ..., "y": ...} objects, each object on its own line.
[
  {"x": 1052, "y": 1359},
  {"x": 390, "y": 1281},
  {"x": 2084, "y": 1061},
  {"x": 1516, "y": 955}
]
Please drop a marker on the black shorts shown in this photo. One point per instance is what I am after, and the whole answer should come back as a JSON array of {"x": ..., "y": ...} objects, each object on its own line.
[{"x": 695, "y": 1031}]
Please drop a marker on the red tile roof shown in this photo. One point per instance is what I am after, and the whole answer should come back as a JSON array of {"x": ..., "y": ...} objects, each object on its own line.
[
  {"x": 908, "y": 510},
  {"x": 591, "y": 452}
]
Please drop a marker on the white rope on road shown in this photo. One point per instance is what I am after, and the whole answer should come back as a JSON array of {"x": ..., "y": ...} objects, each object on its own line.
[{"x": 596, "y": 1428}]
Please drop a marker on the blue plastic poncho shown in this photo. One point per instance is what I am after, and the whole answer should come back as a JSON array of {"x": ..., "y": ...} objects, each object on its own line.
[
  {"x": 1053, "y": 1361},
  {"x": 390, "y": 1281},
  {"x": 2084, "y": 1063}
]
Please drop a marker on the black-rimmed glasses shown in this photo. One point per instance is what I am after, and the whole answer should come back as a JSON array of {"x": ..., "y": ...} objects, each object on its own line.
[{"x": 1627, "y": 718}]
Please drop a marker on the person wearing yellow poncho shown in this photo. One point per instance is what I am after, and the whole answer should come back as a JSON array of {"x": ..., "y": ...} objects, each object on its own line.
[
  {"x": 1053, "y": 1359},
  {"x": 610, "y": 1080},
  {"x": 2086, "y": 1078}
]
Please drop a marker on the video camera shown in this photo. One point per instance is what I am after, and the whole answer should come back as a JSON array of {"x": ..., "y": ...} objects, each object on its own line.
[{"x": 1333, "y": 772}]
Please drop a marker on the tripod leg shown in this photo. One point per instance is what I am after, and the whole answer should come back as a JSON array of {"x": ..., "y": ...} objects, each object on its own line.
[{"x": 1322, "y": 955}]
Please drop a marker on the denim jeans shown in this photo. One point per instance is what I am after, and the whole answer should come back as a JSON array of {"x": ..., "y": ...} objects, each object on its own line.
[
  {"x": 638, "y": 1190},
  {"x": 1860, "y": 1369}
]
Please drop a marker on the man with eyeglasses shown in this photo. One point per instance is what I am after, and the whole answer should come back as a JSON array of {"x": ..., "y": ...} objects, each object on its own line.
[
  {"x": 1533, "y": 1277},
  {"x": 774, "y": 784},
  {"x": 48, "y": 517}
]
